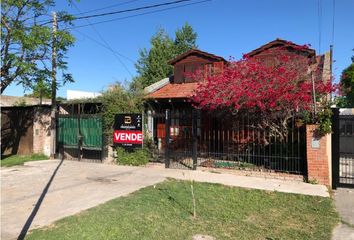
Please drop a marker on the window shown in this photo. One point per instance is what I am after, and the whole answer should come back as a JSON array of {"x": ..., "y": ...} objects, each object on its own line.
[{"x": 208, "y": 70}]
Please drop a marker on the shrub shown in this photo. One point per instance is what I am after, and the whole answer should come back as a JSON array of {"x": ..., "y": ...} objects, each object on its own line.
[
  {"x": 118, "y": 100},
  {"x": 134, "y": 158}
]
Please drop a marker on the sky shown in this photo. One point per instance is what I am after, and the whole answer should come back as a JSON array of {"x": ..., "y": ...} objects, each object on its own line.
[{"x": 227, "y": 28}]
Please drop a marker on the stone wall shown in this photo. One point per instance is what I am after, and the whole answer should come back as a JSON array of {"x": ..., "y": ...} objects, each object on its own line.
[
  {"x": 9, "y": 101},
  {"x": 41, "y": 130},
  {"x": 108, "y": 155}
]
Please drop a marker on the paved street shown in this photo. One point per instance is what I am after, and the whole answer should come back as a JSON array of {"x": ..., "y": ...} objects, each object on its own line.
[{"x": 42, "y": 192}]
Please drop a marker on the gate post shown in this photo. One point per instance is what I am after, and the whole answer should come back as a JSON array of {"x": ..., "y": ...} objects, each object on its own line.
[
  {"x": 167, "y": 138},
  {"x": 335, "y": 147},
  {"x": 194, "y": 138},
  {"x": 318, "y": 156},
  {"x": 79, "y": 140}
]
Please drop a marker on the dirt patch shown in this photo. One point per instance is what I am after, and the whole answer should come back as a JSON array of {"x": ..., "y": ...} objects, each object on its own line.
[{"x": 202, "y": 237}]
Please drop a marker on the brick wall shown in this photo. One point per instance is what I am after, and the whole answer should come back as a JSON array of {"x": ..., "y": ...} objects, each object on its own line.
[
  {"x": 318, "y": 156},
  {"x": 41, "y": 130}
]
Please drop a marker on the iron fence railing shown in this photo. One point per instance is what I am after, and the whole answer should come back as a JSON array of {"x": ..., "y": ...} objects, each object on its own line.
[
  {"x": 194, "y": 139},
  {"x": 343, "y": 147}
]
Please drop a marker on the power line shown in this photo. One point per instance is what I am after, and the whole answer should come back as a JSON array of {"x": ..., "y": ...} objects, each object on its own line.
[
  {"x": 140, "y": 14},
  {"x": 103, "y": 45},
  {"x": 110, "y": 6},
  {"x": 106, "y": 44},
  {"x": 133, "y": 9},
  {"x": 124, "y": 11},
  {"x": 93, "y": 10}
]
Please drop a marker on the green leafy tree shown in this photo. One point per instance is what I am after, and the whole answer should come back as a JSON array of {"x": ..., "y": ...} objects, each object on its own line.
[
  {"x": 185, "y": 39},
  {"x": 26, "y": 37},
  {"x": 347, "y": 86},
  {"x": 152, "y": 65},
  {"x": 118, "y": 100},
  {"x": 40, "y": 90}
]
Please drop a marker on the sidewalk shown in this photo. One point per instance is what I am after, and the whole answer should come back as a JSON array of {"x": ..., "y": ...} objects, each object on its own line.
[
  {"x": 344, "y": 200},
  {"x": 262, "y": 183}
]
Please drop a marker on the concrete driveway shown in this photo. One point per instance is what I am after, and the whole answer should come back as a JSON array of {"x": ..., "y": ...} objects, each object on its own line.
[{"x": 42, "y": 192}]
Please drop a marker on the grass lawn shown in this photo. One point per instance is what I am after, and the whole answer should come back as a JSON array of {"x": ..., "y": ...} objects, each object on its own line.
[
  {"x": 165, "y": 212},
  {"x": 20, "y": 160}
]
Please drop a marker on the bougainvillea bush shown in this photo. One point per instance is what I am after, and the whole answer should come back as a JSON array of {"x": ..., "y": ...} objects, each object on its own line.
[{"x": 272, "y": 91}]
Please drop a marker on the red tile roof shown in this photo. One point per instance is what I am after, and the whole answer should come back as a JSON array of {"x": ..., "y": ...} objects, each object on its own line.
[{"x": 183, "y": 90}]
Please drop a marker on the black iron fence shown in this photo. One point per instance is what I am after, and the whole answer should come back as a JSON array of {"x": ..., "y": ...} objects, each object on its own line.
[
  {"x": 343, "y": 147},
  {"x": 190, "y": 139}
]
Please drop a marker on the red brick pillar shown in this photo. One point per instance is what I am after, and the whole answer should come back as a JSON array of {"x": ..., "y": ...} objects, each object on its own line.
[{"x": 318, "y": 151}]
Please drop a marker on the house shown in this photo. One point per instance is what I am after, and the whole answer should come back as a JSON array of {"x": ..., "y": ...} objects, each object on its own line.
[
  {"x": 174, "y": 93},
  {"x": 169, "y": 107},
  {"x": 181, "y": 86},
  {"x": 26, "y": 123}
]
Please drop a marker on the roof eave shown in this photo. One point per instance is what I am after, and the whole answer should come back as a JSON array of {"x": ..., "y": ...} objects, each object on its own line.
[{"x": 184, "y": 55}]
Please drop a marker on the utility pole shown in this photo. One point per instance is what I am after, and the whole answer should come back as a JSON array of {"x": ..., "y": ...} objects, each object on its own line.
[
  {"x": 331, "y": 67},
  {"x": 54, "y": 88}
]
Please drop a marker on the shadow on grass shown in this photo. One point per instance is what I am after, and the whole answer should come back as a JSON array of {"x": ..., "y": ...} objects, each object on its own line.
[
  {"x": 174, "y": 200},
  {"x": 38, "y": 204},
  {"x": 3, "y": 157}
]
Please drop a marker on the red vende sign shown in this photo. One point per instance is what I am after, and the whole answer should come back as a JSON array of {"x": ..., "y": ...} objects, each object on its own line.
[{"x": 128, "y": 136}]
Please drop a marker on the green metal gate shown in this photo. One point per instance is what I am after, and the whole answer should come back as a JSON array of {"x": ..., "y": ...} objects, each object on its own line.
[{"x": 80, "y": 137}]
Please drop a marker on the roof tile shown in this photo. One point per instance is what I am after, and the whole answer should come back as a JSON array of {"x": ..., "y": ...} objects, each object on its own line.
[{"x": 183, "y": 90}]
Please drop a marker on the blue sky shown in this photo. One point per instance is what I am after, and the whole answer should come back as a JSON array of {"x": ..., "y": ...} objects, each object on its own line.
[{"x": 225, "y": 28}]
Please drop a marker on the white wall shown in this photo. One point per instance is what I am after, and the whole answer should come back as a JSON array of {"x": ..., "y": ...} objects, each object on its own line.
[{"x": 73, "y": 94}]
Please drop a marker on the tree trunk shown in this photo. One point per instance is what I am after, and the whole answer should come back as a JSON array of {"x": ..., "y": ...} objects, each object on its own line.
[{"x": 4, "y": 84}]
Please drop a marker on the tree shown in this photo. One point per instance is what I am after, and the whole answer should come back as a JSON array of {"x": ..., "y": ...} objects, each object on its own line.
[
  {"x": 118, "y": 100},
  {"x": 40, "y": 90},
  {"x": 273, "y": 94},
  {"x": 26, "y": 43},
  {"x": 347, "y": 86},
  {"x": 152, "y": 65},
  {"x": 185, "y": 39}
]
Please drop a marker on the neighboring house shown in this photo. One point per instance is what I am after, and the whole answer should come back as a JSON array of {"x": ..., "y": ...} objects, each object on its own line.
[
  {"x": 174, "y": 94},
  {"x": 25, "y": 124},
  {"x": 74, "y": 94}
]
